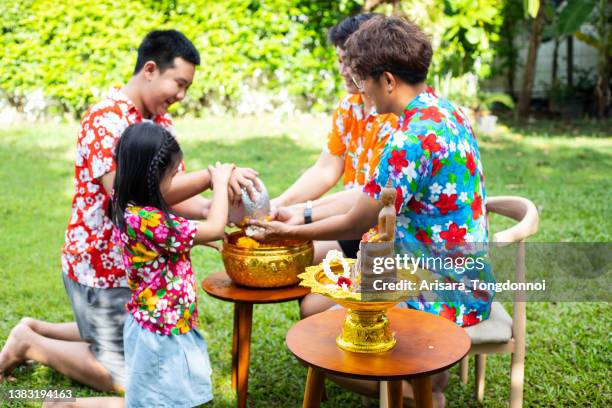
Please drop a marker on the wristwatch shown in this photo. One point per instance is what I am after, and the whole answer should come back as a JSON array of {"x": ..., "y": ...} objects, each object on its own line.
[{"x": 308, "y": 212}]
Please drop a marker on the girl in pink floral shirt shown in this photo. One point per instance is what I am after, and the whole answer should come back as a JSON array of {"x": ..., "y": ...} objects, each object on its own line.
[{"x": 166, "y": 357}]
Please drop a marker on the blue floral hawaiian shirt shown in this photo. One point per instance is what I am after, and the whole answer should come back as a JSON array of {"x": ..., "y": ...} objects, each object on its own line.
[{"x": 434, "y": 165}]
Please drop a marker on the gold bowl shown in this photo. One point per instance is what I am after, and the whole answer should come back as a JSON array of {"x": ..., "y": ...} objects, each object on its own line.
[{"x": 272, "y": 264}]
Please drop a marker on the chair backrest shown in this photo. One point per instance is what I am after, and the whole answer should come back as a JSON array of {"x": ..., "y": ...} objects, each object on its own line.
[{"x": 525, "y": 212}]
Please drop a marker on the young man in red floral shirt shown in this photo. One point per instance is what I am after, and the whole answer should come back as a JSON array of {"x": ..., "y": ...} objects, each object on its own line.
[{"x": 90, "y": 350}]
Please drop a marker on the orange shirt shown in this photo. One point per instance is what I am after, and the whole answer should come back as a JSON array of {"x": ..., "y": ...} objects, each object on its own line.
[{"x": 359, "y": 138}]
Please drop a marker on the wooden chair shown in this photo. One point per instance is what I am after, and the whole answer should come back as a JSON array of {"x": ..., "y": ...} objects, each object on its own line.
[{"x": 502, "y": 333}]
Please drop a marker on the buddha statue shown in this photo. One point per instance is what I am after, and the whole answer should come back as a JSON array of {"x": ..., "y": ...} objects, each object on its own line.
[{"x": 387, "y": 216}]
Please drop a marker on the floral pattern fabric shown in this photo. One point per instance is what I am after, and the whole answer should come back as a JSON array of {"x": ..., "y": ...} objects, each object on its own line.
[
  {"x": 359, "y": 137},
  {"x": 155, "y": 253},
  {"x": 434, "y": 164},
  {"x": 89, "y": 257}
]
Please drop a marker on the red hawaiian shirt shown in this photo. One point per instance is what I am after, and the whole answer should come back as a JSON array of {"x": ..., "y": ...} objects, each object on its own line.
[{"x": 89, "y": 257}]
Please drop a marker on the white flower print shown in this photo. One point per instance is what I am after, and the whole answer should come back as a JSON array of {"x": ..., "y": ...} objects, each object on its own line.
[
  {"x": 171, "y": 317},
  {"x": 410, "y": 171},
  {"x": 403, "y": 221},
  {"x": 85, "y": 271},
  {"x": 435, "y": 188},
  {"x": 175, "y": 283},
  {"x": 98, "y": 166},
  {"x": 79, "y": 234},
  {"x": 90, "y": 135},
  {"x": 93, "y": 188},
  {"x": 161, "y": 304},
  {"x": 84, "y": 175},
  {"x": 428, "y": 99},
  {"x": 108, "y": 142},
  {"x": 340, "y": 124},
  {"x": 451, "y": 188},
  {"x": 399, "y": 139}
]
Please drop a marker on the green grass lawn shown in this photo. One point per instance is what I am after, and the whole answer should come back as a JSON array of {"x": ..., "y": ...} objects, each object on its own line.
[{"x": 564, "y": 172}]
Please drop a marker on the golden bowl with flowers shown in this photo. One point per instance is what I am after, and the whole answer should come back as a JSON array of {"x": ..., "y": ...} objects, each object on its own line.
[{"x": 267, "y": 264}]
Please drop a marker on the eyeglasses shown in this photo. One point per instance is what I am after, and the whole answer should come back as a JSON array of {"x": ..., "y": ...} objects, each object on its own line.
[{"x": 358, "y": 83}]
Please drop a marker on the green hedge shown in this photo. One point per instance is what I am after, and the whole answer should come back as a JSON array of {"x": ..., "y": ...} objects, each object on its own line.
[{"x": 73, "y": 51}]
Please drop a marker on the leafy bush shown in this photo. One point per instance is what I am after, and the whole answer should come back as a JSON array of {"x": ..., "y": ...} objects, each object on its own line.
[
  {"x": 73, "y": 51},
  {"x": 257, "y": 55}
]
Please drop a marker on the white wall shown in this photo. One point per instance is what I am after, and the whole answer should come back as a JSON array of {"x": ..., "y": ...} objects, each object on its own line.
[{"x": 585, "y": 59}]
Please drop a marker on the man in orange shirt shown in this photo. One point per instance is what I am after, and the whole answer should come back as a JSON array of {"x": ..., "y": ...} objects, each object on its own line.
[{"x": 353, "y": 149}]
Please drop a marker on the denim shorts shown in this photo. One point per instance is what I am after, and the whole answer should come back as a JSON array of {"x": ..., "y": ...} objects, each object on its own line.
[
  {"x": 100, "y": 315},
  {"x": 165, "y": 371}
]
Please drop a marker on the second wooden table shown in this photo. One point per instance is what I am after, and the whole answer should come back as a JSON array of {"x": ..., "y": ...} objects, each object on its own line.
[{"x": 220, "y": 286}]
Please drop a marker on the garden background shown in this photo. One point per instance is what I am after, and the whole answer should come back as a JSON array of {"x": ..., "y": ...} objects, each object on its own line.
[{"x": 262, "y": 98}]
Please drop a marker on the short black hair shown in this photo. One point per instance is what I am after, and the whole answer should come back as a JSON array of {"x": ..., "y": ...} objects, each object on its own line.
[
  {"x": 162, "y": 47},
  {"x": 339, "y": 33}
]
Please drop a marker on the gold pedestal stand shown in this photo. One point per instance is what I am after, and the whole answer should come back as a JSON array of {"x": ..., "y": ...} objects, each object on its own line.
[{"x": 366, "y": 328}]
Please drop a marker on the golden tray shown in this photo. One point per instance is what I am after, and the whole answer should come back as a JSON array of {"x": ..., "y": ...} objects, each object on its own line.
[
  {"x": 365, "y": 328},
  {"x": 273, "y": 264}
]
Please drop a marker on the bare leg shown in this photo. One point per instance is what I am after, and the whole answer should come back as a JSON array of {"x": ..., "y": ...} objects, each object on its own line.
[
  {"x": 95, "y": 402},
  {"x": 321, "y": 248},
  {"x": 71, "y": 358},
  {"x": 370, "y": 388},
  {"x": 58, "y": 331},
  {"x": 314, "y": 303},
  {"x": 438, "y": 384}
]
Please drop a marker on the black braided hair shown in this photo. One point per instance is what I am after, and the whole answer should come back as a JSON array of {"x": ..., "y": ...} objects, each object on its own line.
[
  {"x": 145, "y": 154},
  {"x": 159, "y": 164}
]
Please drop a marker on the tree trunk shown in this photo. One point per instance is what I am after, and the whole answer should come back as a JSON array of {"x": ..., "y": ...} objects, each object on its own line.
[
  {"x": 530, "y": 65},
  {"x": 554, "y": 83},
  {"x": 602, "y": 89},
  {"x": 570, "y": 62}
]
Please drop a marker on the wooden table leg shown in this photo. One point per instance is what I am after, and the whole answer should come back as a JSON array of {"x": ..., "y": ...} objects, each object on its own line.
[
  {"x": 235, "y": 346},
  {"x": 422, "y": 392},
  {"x": 314, "y": 388},
  {"x": 241, "y": 348},
  {"x": 395, "y": 396}
]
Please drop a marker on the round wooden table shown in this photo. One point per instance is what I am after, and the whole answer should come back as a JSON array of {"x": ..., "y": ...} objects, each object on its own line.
[
  {"x": 220, "y": 286},
  {"x": 426, "y": 345}
]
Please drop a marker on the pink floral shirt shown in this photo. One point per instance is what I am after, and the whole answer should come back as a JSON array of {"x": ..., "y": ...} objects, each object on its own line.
[{"x": 155, "y": 252}]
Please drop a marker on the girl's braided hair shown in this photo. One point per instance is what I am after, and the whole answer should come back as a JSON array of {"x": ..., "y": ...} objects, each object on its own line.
[{"x": 145, "y": 154}]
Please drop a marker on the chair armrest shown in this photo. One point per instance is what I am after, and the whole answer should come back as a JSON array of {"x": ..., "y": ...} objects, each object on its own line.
[{"x": 519, "y": 209}]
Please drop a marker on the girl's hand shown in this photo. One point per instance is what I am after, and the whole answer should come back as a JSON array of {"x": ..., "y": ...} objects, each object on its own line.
[
  {"x": 270, "y": 230},
  {"x": 221, "y": 173},
  {"x": 243, "y": 177}
]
